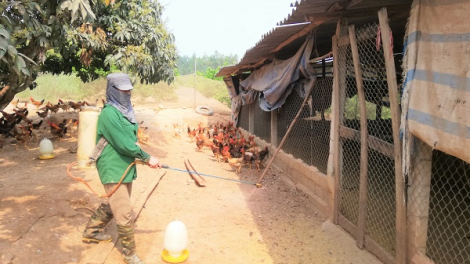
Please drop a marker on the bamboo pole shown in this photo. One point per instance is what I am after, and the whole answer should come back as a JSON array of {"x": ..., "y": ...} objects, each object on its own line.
[
  {"x": 400, "y": 252},
  {"x": 284, "y": 138},
  {"x": 361, "y": 221}
]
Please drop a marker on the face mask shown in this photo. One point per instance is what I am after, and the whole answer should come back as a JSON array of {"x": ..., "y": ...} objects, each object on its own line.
[{"x": 122, "y": 101}]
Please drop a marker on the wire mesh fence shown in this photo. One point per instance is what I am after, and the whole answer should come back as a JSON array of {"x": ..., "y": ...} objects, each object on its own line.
[
  {"x": 244, "y": 117},
  {"x": 309, "y": 137},
  {"x": 439, "y": 202},
  {"x": 262, "y": 123},
  {"x": 380, "y": 211}
]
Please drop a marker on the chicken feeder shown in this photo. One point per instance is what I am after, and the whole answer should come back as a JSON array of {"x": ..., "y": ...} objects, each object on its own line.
[{"x": 88, "y": 121}]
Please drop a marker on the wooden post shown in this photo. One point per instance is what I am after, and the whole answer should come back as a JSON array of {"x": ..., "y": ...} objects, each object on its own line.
[
  {"x": 334, "y": 132},
  {"x": 274, "y": 128},
  {"x": 361, "y": 221},
  {"x": 251, "y": 118},
  {"x": 339, "y": 80},
  {"x": 419, "y": 197},
  {"x": 401, "y": 256}
]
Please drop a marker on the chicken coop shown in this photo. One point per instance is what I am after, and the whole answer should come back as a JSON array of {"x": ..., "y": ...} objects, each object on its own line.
[{"x": 368, "y": 125}]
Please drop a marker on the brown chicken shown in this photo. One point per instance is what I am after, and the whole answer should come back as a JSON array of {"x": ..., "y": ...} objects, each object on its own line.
[
  {"x": 76, "y": 105},
  {"x": 216, "y": 150},
  {"x": 237, "y": 163},
  {"x": 58, "y": 130},
  {"x": 141, "y": 136},
  {"x": 260, "y": 157},
  {"x": 72, "y": 127},
  {"x": 43, "y": 114},
  {"x": 36, "y": 103},
  {"x": 199, "y": 142},
  {"x": 22, "y": 134}
]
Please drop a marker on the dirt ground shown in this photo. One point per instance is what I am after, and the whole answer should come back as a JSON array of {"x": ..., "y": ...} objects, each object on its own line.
[{"x": 43, "y": 211}]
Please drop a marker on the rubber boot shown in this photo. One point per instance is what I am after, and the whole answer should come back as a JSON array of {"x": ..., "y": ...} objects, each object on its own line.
[
  {"x": 126, "y": 234},
  {"x": 94, "y": 229}
]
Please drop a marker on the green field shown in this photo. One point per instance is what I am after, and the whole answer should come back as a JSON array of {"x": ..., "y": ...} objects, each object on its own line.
[{"x": 69, "y": 87}]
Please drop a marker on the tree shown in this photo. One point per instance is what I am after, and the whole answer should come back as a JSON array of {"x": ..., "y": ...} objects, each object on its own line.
[
  {"x": 214, "y": 61},
  {"x": 83, "y": 36}
]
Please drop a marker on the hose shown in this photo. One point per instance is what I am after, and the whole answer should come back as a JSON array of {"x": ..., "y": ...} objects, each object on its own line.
[{"x": 99, "y": 195}]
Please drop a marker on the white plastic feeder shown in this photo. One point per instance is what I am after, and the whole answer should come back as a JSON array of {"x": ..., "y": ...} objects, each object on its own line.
[
  {"x": 46, "y": 149},
  {"x": 175, "y": 243}
]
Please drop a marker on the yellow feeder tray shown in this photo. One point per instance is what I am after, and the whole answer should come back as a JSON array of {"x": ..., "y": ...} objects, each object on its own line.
[
  {"x": 170, "y": 259},
  {"x": 44, "y": 157}
]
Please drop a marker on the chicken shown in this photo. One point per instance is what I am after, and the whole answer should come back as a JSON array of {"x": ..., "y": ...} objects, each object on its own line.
[
  {"x": 43, "y": 114},
  {"x": 22, "y": 134},
  {"x": 141, "y": 136},
  {"x": 34, "y": 129},
  {"x": 248, "y": 159},
  {"x": 53, "y": 108},
  {"x": 216, "y": 150},
  {"x": 76, "y": 105},
  {"x": 91, "y": 104},
  {"x": 225, "y": 153},
  {"x": 64, "y": 107},
  {"x": 237, "y": 162},
  {"x": 15, "y": 103},
  {"x": 177, "y": 131},
  {"x": 72, "y": 127},
  {"x": 58, "y": 130},
  {"x": 199, "y": 142},
  {"x": 7, "y": 116},
  {"x": 22, "y": 114},
  {"x": 260, "y": 157},
  {"x": 36, "y": 103}
]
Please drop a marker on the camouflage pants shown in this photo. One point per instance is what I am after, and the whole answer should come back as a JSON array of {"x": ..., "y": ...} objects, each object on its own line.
[
  {"x": 99, "y": 219},
  {"x": 126, "y": 235}
]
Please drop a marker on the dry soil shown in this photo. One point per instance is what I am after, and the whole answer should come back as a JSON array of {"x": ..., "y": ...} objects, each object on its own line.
[{"x": 43, "y": 211}]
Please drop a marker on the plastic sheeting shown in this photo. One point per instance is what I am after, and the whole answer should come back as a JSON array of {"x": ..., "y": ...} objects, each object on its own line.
[
  {"x": 273, "y": 83},
  {"x": 436, "y": 96}
]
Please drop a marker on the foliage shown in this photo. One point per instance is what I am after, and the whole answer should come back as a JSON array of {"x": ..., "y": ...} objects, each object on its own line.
[
  {"x": 87, "y": 37},
  {"x": 70, "y": 87},
  {"x": 213, "y": 62},
  {"x": 352, "y": 110}
]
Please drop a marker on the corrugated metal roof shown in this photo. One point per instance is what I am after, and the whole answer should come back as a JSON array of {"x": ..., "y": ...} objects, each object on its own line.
[{"x": 318, "y": 17}]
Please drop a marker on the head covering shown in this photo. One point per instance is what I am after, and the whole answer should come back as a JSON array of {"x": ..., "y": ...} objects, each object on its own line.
[{"x": 118, "y": 99}]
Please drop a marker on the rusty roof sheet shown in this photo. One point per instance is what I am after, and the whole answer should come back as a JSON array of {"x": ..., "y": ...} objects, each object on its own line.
[{"x": 317, "y": 17}]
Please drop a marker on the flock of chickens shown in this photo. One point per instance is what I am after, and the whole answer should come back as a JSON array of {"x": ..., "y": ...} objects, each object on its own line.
[
  {"x": 228, "y": 145},
  {"x": 23, "y": 129}
]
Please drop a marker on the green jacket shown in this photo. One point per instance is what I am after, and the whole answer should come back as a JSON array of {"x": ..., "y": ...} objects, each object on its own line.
[{"x": 121, "y": 150}]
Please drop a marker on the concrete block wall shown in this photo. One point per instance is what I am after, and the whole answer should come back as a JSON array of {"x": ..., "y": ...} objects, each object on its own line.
[{"x": 298, "y": 175}]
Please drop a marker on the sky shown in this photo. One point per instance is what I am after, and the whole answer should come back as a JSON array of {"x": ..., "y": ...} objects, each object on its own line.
[{"x": 202, "y": 27}]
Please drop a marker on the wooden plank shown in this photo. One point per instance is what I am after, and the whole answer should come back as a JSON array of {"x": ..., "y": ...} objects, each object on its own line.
[
  {"x": 339, "y": 94},
  {"x": 335, "y": 133},
  {"x": 361, "y": 221},
  {"x": 373, "y": 247},
  {"x": 374, "y": 143},
  {"x": 196, "y": 176},
  {"x": 306, "y": 30},
  {"x": 401, "y": 256}
]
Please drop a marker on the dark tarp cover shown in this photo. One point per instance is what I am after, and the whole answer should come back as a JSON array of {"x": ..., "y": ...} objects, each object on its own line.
[{"x": 273, "y": 83}]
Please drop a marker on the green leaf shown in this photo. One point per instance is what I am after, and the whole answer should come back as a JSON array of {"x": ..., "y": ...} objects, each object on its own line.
[
  {"x": 12, "y": 51},
  {"x": 4, "y": 33},
  {"x": 2, "y": 53},
  {"x": 26, "y": 71},
  {"x": 27, "y": 58}
]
